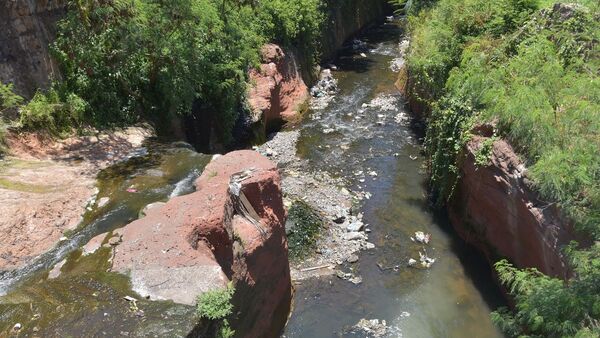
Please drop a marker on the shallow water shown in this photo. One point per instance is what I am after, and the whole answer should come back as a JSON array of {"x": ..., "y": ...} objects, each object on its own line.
[
  {"x": 86, "y": 300},
  {"x": 451, "y": 299}
]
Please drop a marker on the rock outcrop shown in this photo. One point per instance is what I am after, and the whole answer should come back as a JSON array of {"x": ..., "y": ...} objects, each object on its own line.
[
  {"x": 231, "y": 229},
  {"x": 28, "y": 26},
  {"x": 495, "y": 209},
  {"x": 346, "y": 19},
  {"x": 277, "y": 90}
]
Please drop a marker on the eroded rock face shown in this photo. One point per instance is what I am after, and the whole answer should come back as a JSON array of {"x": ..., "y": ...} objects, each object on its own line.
[
  {"x": 346, "y": 19},
  {"x": 277, "y": 90},
  {"x": 495, "y": 209},
  {"x": 28, "y": 26},
  {"x": 201, "y": 241}
]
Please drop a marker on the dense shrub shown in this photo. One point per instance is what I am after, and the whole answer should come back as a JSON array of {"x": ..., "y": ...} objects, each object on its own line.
[
  {"x": 9, "y": 103},
  {"x": 126, "y": 60},
  {"x": 536, "y": 75}
]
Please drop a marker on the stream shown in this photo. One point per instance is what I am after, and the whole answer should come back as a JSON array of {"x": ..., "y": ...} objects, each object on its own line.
[
  {"x": 364, "y": 136},
  {"x": 372, "y": 134}
]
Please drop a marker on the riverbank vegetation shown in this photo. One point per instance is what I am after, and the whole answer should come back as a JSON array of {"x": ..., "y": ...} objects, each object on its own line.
[
  {"x": 126, "y": 60},
  {"x": 532, "y": 69}
]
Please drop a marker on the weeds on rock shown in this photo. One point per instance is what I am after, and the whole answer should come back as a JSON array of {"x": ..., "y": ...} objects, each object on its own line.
[{"x": 216, "y": 305}]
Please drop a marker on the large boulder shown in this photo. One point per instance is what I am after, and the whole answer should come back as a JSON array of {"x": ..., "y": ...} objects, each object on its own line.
[
  {"x": 230, "y": 229},
  {"x": 277, "y": 90}
]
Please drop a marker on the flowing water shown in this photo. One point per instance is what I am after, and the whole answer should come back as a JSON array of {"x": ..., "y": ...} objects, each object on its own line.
[
  {"x": 85, "y": 300},
  {"x": 365, "y": 129}
]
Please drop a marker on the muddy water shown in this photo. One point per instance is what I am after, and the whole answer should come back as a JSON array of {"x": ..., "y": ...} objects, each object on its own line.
[
  {"x": 85, "y": 300},
  {"x": 364, "y": 130}
]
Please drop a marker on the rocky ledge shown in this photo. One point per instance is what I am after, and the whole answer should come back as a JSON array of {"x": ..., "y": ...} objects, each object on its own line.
[{"x": 231, "y": 229}]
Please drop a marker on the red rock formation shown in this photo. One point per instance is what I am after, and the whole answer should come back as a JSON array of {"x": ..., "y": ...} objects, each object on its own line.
[
  {"x": 198, "y": 242},
  {"x": 495, "y": 209},
  {"x": 277, "y": 89}
]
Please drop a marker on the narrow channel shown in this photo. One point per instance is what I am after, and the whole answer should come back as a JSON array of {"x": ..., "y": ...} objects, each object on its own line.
[{"x": 365, "y": 136}]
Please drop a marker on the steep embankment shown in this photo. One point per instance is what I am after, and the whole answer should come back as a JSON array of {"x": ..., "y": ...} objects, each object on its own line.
[{"x": 495, "y": 209}]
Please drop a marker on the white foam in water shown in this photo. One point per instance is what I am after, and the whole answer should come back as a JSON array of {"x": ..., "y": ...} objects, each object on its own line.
[{"x": 186, "y": 185}]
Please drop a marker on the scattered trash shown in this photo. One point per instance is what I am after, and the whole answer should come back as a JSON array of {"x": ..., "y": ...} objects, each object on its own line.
[
  {"x": 349, "y": 277},
  {"x": 316, "y": 268},
  {"x": 130, "y": 299},
  {"x": 412, "y": 262},
  {"x": 363, "y": 55},
  {"x": 404, "y": 314},
  {"x": 426, "y": 261},
  {"x": 421, "y": 237},
  {"x": 131, "y": 190},
  {"x": 412, "y": 157},
  {"x": 17, "y": 326},
  {"x": 372, "y": 327},
  {"x": 356, "y": 280}
]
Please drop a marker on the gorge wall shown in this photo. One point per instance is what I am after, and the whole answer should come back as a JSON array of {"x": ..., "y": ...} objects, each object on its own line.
[
  {"x": 346, "y": 18},
  {"x": 495, "y": 209},
  {"x": 28, "y": 26}
]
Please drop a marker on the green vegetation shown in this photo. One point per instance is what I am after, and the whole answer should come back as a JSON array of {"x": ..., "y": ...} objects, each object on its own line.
[
  {"x": 533, "y": 72},
  {"x": 216, "y": 305},
  {"x": 9, "y": 102},
  {"x": 126, "y": 60},
  {"x": 302, "y": 238}
]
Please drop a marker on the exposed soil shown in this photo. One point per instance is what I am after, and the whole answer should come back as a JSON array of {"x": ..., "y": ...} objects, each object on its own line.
[{"x": 45, "y": 185}]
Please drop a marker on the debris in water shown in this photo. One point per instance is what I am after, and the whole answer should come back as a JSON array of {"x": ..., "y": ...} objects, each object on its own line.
[
  {"x": 421, "y": 237},
  {"x": 130, "y": 299},
  {"x": 356, "y": 280},
  {"x": 404, "y": 314},
  {"x": 426, "y": 261},
  {"x": 372, "y": 327}
]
